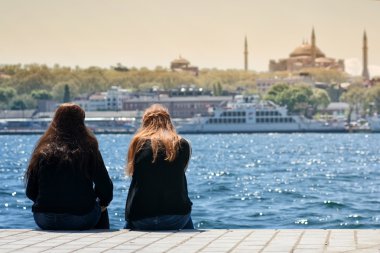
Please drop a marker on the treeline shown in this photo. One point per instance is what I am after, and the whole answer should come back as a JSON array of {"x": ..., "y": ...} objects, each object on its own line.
[
  {"x": 22, "y": 85},
  {"x": 27, "y": 83}
]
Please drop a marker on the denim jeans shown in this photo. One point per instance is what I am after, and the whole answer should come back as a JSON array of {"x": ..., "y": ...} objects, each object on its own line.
[
  {"x": 65, "y": 221},
  {"x": 163, "y": 222}
]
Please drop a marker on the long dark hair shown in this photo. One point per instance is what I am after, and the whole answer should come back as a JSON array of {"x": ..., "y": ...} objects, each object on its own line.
[{"x": 68, "y": 140}]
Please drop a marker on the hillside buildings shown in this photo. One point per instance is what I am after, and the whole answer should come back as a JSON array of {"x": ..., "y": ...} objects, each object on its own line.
[
  {"x": 179, "y": 107},
  {"x": 111, "y": 100},
  {"x": 118, "y": 99}
]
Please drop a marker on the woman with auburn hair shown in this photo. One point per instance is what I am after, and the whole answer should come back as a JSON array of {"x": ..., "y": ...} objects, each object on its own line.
[
  {"x": 66, "y": 177},
  {"x": 157, "y": 161}
]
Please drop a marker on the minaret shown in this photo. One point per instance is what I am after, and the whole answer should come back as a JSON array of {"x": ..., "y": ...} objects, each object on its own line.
[
  {"x": 245, "y": 54},
  {"x": 313, "y": 48},
  {"x": 365, "y": 73}
]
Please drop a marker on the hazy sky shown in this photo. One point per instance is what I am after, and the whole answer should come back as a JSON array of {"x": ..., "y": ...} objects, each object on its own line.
[{"x": 209, "y": 33}]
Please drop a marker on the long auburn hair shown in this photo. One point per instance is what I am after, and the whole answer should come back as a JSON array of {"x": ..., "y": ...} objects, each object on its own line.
[
  {"x": 67, "y": 139},
  {"x": 157, "y": 127}
]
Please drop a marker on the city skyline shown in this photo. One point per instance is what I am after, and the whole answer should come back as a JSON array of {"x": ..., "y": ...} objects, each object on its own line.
[{"x": 210, "y": 34}]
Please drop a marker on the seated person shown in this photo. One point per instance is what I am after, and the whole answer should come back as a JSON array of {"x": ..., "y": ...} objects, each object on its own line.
[
  {"x": 157, "y": 161},
  {"x": 66, "y": 177}
]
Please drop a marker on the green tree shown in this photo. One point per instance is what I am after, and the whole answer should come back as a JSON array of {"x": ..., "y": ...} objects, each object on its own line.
[
  {"x": 219, "y": 88},
  {"x": 24, "y": 101},
  {"x": 18, "y": 104},
  {"x": 299, "y": 99},
  {"x": 66, "y": 94},
  {"x": 355, "y": 97},
  {"x": 275, "y": 93},
  {"x": 41, "y": 94},
  {"x": 6, "y": 94},
  {"x": 373, "y": 99},
  {"x": 320, "y": 99},
  {"x": 58, "y": 90}
]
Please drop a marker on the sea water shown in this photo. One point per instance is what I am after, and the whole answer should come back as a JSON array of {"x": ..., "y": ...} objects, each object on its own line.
[{"x": 238, "y": 180}]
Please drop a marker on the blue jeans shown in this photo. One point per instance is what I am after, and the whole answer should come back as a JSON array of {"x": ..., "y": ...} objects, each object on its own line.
[
  {"x": 65, "y": 221},
  {"x": 163, "y": 222}
]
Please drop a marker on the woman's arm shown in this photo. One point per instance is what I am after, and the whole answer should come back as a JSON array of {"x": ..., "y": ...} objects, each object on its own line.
[
  {"x": 103, "y": 183},
  {"x": 186, "y": 148},
  {"x": 32, "y": 186}
]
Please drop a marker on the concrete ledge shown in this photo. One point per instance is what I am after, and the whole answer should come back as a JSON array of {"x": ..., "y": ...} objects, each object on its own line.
[{"x": 187, "y": 241}]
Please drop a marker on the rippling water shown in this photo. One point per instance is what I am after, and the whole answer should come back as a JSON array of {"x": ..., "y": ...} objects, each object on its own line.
[{"x": 239, "y": 180}]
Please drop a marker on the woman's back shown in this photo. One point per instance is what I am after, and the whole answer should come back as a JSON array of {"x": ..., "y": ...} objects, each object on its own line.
[
  {"x": 63, "y": 188},
  {"x": 66, "y": 177},
  {"x": 157, "y": 160},
  {"x": 159, "y": 188}
]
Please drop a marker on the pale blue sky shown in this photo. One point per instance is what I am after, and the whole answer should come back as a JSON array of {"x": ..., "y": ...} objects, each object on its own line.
[{"x": 209, "y": 33}]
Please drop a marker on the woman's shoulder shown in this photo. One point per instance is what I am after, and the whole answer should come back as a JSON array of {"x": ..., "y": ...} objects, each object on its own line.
[
  {"x": 143, "y": 145},
  {"x": 184, "y": 143}
]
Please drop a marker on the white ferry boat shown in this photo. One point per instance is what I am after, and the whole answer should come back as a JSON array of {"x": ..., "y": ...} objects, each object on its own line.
[{"x": 247, "y": 115}]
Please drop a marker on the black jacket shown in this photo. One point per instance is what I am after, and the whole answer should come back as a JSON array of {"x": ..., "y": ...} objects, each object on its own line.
[
  {"x": 158, "y": 188},
  {"x": 62, "y": 187}
]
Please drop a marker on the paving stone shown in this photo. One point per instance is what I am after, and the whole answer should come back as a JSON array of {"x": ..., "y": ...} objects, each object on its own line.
[{"x": 218, "y": 240}]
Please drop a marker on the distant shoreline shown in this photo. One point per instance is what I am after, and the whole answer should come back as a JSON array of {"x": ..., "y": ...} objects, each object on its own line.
[{"x": 40, "y": 132}]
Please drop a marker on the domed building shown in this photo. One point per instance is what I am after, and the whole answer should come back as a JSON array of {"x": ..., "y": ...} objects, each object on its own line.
[
  {"x": 306, "y": 56},
  {"x": 181, "y": 64}
]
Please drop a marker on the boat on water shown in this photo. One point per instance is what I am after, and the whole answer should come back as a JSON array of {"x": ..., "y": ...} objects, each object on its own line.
[{"x": 248, "y": 115}]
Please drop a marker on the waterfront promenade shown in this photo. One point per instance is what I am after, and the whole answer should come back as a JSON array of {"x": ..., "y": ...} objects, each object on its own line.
[{"x": 214, "y": 240}]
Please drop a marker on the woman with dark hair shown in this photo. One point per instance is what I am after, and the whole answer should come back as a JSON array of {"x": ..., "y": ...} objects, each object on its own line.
[
  {"x": 157, "y": 161},
  {"x": 66, "y": 177}
]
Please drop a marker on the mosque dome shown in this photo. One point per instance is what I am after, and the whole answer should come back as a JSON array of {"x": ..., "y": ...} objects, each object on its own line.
[
  {"x": 180, "y": 61},
  {"x": 306, "y": 50}
]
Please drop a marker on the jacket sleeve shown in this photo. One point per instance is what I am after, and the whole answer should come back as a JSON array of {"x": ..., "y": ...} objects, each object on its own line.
[
  {"x": 32, "y": 186},
  {"x": 186, "y": 149},
  {"x": 103, "y": 183}
]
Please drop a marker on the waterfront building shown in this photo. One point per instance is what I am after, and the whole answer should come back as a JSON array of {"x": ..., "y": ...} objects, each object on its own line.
[
  {"x": 95, "y": 102},
  {"x": 115, "y": 97},
  {"x": 307, "y": 55},
  {"x": 16, "y": 114},
  {"x": 111, "y": 100},
  {"x": 46, "y": 105},
  {"x": 181, "y": 64},
  {"x": 185, "y": 90},
  {"x": 336, "y": 110},
  {"x": 179, "y": 107}
]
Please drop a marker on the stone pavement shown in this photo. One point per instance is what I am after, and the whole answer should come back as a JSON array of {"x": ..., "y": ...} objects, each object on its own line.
[{"x": 214, "y": 240}]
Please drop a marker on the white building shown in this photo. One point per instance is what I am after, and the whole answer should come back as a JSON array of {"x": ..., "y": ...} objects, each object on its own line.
[
  {"x": 96, "y": 102},
  {"x": 111, "y": 100},
  {"x": 115, "y": 97}
]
